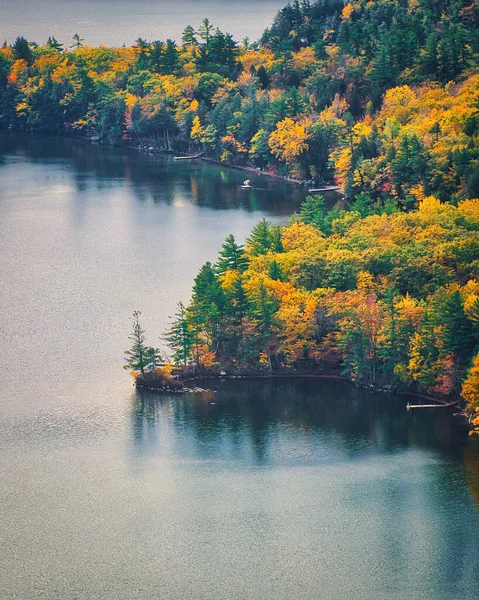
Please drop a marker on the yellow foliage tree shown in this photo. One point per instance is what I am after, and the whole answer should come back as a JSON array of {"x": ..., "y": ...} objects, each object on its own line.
[
  {"x": 347, "y": 12},
  {"x": 289, "y": 140},
  {"x": 196, "y": 130},
  {"x": 470, "y": 393}
]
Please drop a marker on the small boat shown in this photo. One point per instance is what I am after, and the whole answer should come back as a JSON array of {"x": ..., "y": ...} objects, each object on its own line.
[{"x": 246, "y": 185}]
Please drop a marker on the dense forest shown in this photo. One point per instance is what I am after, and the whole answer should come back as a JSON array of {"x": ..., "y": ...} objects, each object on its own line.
[
  {"x": 379, "y": 97},
  {"x": 387, "y": 300}
]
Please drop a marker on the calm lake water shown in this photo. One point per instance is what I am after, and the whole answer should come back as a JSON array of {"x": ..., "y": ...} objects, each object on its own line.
[
  {"x": 260, "y": 491},
  {"x": 117, "y": 22}
]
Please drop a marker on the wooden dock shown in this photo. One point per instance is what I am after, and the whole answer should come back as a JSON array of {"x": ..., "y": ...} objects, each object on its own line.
[
  {"x": 188, "y": 157},
  {"x": 326, "y": 188},
  {"x": 439, "y": 405}
]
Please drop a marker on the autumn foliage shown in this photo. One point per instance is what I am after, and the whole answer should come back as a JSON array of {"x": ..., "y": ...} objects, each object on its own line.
[
  {"x": 378, "y": 97},
  {"x": 383, "y": 299}
]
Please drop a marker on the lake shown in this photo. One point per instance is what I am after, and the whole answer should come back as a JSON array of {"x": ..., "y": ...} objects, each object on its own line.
[
  {"x": 118, "y": 22},
  {"x": 274, "y": 490}
]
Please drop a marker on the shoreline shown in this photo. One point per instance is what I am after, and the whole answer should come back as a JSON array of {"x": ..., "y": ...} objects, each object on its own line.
[
  {"x": 163, "y": 152},
  {"x": 252, "y": 170},
  {"x": 374, "y": 389}
]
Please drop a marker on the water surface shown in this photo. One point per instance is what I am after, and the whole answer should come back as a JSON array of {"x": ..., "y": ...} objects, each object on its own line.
[
  {"x": 90, "y": 233},
  {"x": 263, "y": 490},
  {"x": 118, "y": 22}
]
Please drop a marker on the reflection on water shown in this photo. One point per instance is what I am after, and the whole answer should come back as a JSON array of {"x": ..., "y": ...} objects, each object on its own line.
[
  {"x": 91, "y": 233},
  {"x": 321, "y": 423},
  {"x": 382, "y": 491},
  {"x": 155, "y": 178},
  {"x": 262, "y": 490}
]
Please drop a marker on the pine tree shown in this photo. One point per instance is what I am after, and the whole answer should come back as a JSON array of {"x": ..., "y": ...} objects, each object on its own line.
[
  {"x": 189, "y": 36},
  {"x": 170, "y": 59},
  {"x": 312, "y": 211},
  {"x": 54, "y": 44},
  {"x": 457, "y": 329},
  {"x": 205, "y": 30},
  {"x": 153, "y": 359},
  {"x": 208, "y": 302},
  {"x": 21, "y": 50},
  {"x": 180, "y": 336},
  {"x": 77, "y": 41},
  {"x": 137, "y": 357},
  {"x": 261, "y": 238},
  {"x": 275, "y": 272},
  {"x": 276, "y": 242},
  {"x": 152, "y": 57},
  {"x": 231, "y": 256},
  {"x": 473, "y": 314},
  {"x": 264, "y": 307}
]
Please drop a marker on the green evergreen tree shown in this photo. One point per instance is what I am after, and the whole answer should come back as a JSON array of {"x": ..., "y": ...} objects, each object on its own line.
[
  {"x": 21, "y": 50},
  {"x": 153, "y": 359},
  {"x": 458, "y": 336},
  {"x": 170, "y": 59},
  {"x": 261, "y": 238},
  {"x": 180, "y": 336},
  {"x": 263, "y": 77},
  {"x": 264, "y": 307},
  {"x": 77, "y": 41},
  {"x": 153, "y": 57},
  {"x": 208, "y": 303},
  {"x": 231, "y": 256},
  {"x": 54, "y": 44},
  {"x": 276, "y": 242},
  {"x": 275, "y": 272},
  {"x": 312, "y": 211},
  {"x": 137, "y": 357},
  {"x": 205, "y": 30},
  {"x": 473, "y": 314},
  {"x": 188, "y": 37}
]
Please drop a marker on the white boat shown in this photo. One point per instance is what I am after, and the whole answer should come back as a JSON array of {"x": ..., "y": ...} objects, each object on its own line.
[{"x": 246, "y": 185}]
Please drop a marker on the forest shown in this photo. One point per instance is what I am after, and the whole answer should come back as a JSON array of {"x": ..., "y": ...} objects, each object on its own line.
[
  {"x": 380, "y": 98},
  {"x": 388, "y": 299},
  {"x": 376, "y": 96}
]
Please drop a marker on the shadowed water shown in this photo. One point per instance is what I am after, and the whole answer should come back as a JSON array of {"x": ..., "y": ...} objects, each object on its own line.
[{"x": 274, "y": 490}]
